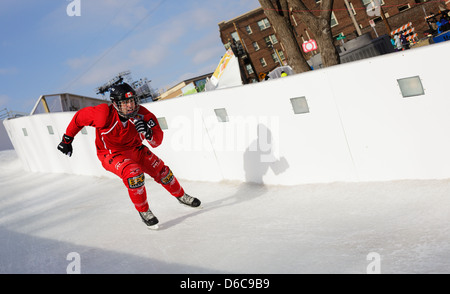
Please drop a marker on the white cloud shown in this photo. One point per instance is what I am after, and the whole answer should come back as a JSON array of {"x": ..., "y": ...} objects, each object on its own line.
[
  {"x": 128, "y": 15},
  {"x": 8, "y": 71},
  {"x": 206, "y": 49},
  {"x": 98, "y": 18},
  {"x": 201, "y": 16},
  {"x": 183, "y": 44},
  {"x": 199, "y": 72},
  {"x": 207, "y": 54},
  {"x": 79, "y": 62},
  {"x": 100, "y": 74},
  {"x": 148, "y": 57},
  {"x": 135, "y": 51}
]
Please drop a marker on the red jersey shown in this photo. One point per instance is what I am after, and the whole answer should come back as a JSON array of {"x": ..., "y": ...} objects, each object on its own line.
[{"x": 113, "y": 135}]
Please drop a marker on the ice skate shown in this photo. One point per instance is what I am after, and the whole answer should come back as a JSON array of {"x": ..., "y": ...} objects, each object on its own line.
[
  {"x": 189, "y": 200},
  {"x": 149, "y": 219}
]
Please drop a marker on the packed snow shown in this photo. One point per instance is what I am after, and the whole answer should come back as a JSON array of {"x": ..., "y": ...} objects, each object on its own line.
[{"x": 49, "y": 221}]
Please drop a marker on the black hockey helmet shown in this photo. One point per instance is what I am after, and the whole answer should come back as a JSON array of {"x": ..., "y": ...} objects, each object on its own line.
[{"x": 123, "y": 94}]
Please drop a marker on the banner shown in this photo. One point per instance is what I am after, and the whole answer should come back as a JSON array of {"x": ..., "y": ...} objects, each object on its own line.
[{"x": 221, "y": 67}]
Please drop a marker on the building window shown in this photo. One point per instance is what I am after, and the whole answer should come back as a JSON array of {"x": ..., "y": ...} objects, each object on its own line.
[
  {"x": 256, "y": 46},
  {"x": 377, "y": 19},
  {"x": 249, "y": 69},
  {"x": 403, "y": 7},
  {"x": 275, "y": 56},
  {"x": 249, "y": 29},
  {"x": 270, "y": 40},
  {"x": 334, "y": 21},
  {"x": 274, "y": 39},
  {"x": 263, "y": 62},
  {"x": 264, "y": 24},
  {"x": 235, "y": 36}
]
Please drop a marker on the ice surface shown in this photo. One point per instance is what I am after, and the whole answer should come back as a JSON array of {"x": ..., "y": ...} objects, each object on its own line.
[{"x": 243, "y": 228}]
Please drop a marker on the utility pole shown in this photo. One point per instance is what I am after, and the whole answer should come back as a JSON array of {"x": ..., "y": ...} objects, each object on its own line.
[{"x": 358, "y": 30}]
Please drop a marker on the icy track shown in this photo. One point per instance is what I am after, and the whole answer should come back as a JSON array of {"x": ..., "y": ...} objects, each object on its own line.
[{"x": 389, "y": 227}]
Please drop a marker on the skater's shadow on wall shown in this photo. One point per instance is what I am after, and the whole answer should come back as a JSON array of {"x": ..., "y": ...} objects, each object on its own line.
[
  {"x": 262, "y": 155},
  {"x": 259, "y": 157}
]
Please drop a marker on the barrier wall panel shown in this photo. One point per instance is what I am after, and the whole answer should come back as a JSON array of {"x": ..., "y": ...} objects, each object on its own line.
[
  {"x": 358, "y": 127},
  {"x": 186, "y": 148},
  {"x": 392, "y": 137}
]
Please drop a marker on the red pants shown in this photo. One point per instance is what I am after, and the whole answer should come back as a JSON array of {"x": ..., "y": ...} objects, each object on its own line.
[{"x": 131, "y": 165}]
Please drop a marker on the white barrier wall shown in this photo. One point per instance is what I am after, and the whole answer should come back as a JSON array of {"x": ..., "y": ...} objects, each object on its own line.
[{"x": 358, "y": 128}]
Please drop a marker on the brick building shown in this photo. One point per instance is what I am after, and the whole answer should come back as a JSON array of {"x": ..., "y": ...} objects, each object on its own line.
[
  {"x": 260, "y": 50},
  {"x": 253, "y": 34}
]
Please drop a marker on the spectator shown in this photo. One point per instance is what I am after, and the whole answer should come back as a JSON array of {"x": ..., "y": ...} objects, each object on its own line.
[
  {"x": 405, "y": 42},
  {"x": 398, "y": 43}
]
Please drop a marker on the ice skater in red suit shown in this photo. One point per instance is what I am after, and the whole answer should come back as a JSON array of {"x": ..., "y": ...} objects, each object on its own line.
[{"x": 120, "y": 130}]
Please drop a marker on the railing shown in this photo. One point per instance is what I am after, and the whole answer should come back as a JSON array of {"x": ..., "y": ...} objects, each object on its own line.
[{"x": 5, "y": 114}]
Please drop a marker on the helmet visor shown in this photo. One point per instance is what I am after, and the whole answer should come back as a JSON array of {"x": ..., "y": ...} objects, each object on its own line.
[{"x": 129, "y": 107}]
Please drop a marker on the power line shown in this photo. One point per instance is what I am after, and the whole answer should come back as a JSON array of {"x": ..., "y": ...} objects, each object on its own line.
[
  {"x": 344, "y": 9},
  {"x": 115, "y": 44}
]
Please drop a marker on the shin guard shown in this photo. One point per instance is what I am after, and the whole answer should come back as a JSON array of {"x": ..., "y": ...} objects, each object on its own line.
[
  {"x": 134, "y": 180},
  {"x": 169, "y": 182}
]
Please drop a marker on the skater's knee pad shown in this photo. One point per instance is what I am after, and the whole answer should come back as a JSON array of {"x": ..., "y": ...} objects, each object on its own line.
[
  {"x": 133, "y": 176},
  {"x": 165, "y": 176}
]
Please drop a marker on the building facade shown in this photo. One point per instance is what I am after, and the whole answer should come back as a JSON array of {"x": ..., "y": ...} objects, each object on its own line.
[
  {"x": 260, "y": 51},
  {"x": 186, "y": 87}
]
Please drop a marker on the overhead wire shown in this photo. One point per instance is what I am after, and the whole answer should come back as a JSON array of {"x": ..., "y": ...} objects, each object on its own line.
[
  {"x": 345, "y": 9},
  {"x": 104, "y": 54}
]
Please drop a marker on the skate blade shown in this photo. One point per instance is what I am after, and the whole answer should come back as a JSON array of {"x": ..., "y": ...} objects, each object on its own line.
[
  {"x": 153, "y": 228},
  {"x": 196, "y": 207}
]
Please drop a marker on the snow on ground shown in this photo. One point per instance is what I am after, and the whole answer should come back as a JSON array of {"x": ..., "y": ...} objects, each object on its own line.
[{"x": 243, "y": 228}]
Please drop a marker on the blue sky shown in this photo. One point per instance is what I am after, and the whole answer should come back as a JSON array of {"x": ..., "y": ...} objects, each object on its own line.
[{"x": 43, "y": 50}]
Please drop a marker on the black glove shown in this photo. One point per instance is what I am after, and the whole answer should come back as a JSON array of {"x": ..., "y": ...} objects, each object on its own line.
[
  {"x": 143, "y": 128},
  {"x": 66, "y": 145}
]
